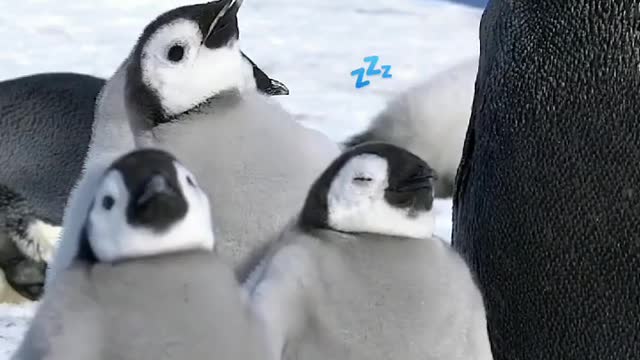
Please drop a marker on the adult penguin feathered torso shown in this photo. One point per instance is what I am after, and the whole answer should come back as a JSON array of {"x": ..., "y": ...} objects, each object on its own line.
[
  {"x": 45, "y": 129},
  {"x": 546, "y": 209}
]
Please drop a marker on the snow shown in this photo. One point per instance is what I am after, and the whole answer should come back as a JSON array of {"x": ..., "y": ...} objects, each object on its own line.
[{"x": 310, "y": 45}]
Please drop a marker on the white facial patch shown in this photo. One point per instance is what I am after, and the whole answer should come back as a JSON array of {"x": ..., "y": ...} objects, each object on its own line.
[
  {"x": 112, "y": 238},
  {"x": 201, "y": 72},
  {"x": 356, "y": 202}
]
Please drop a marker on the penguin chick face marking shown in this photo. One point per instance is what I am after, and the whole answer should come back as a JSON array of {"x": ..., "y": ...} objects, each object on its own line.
[
  {"x": 183, "y": 73},
  {"x": 148, "y": 204},
  {"x": 374, "y": 188},
  {"x": 187, "y": 56}
]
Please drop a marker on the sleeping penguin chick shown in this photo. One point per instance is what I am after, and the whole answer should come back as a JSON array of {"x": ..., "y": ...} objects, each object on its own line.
[
  {"x": 430, "y": 119},
  {"x": 360, "y": 276},
  {"x": 145, "y": 282}
]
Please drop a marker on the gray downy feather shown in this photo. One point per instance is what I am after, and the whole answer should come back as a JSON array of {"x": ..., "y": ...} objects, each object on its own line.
[{"x": 430, "y": 120}]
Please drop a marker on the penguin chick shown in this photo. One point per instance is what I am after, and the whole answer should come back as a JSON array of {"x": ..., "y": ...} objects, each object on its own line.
[
  {"x": 188, "y": 56},
  {"x": 431, "y": 120},
  {"x": 190, "y": 91},
  {"x": 360, "y": 276},
  {"x": 145, "y": 283},
  {"x": 183, "y": 29},
  {"x": 148, "y": 204}
]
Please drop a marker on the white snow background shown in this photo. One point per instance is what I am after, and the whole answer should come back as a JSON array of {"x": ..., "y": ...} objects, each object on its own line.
[{"x": 310, "y": 45}]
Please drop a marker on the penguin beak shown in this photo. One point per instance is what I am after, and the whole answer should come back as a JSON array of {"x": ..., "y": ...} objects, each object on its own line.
[
  {"x": 416, "y": 183},
  {"x": 415, "y": 192},
  {"x": 156, "y": 186},
  {"x": 224, "y": 24},
  {"x": 158, "y": 205}
]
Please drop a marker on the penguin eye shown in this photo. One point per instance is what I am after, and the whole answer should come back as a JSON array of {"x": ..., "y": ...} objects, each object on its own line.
[
  {"x": 190, "y": 181},
  {"x": 107, "y": 202},
  {"x": 176, "y": 53}
]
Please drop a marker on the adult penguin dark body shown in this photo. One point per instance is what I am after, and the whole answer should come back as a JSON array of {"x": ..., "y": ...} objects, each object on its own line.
[
  {"x": 546, "y": 207},
  {"x": 45, "y": 128}
]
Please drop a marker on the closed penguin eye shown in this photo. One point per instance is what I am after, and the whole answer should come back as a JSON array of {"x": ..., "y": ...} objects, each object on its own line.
[
  {"x": 362, "y": 179},
  {"x": 190, "y": 181},
  {"x": 176, "y": 53}
]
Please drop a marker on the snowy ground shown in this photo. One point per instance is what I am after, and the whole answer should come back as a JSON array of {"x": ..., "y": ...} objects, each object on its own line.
[{"x": 310, "y": 45}]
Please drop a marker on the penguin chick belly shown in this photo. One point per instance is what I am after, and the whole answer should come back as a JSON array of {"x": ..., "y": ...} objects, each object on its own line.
[
  {"x": 382, "y": 298},
  {"x": 69, "y": 323},
  {"x": 179, "y": 306}
]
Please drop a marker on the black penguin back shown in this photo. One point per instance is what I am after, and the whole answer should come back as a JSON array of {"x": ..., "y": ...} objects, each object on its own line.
[{"x": 45, "y": 129}]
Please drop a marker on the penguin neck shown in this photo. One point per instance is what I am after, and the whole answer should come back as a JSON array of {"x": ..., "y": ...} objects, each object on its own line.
[
  {"x": 156, "y": 135},
  {"x": 111, "y": 135}
]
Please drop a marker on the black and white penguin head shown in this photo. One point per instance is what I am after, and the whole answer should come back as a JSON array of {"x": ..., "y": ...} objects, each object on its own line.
[
  {"x": 373, "y": 188},
  {"x": 188, "y": 56},
  {"x": 146, "y": 204}
]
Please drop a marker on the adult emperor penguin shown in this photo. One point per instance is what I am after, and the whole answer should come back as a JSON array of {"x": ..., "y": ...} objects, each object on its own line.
[
  {"x": 190, "y": 91},
  {"x": 360, "y": 276},
  {"x": 145, "y": 282},
  {"x": 547, "y": 197},
  {"x": 430, "y": 119}
]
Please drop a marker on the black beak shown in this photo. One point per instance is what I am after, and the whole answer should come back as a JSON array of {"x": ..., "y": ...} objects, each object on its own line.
[
  {"x": 158, "y": 204},
  {"x": 224, "y": 25},
  {"x": 414, "y": 192},
  {"x": 264, "y": 83},
  {"x": 417, "y": 182}
]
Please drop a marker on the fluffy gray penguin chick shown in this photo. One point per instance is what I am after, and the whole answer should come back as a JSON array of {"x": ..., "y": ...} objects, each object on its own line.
[
  {"x": 248, "y": 152},
  {"x": 360, "y": 276},
  {"x": 145, "y": 282},
  {"x": 430, "y": 119},
  {"x": 187, "y": 71}
]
